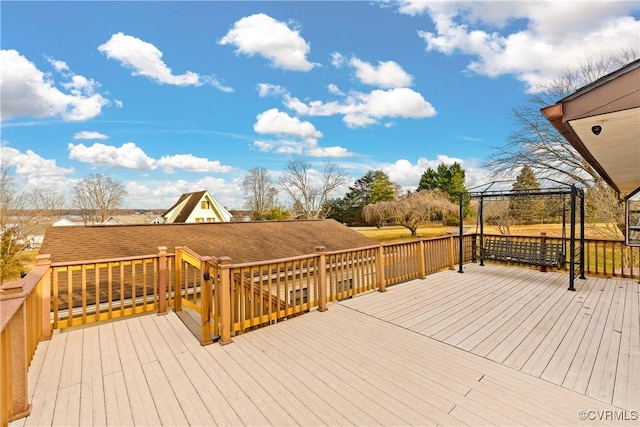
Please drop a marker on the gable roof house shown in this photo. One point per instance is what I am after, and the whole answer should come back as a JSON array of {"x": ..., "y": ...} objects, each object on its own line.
[{"x": 196, "y": 207}]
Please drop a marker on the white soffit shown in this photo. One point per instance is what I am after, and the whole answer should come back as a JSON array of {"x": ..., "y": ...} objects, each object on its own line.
[{"x": 617, "y": 147}]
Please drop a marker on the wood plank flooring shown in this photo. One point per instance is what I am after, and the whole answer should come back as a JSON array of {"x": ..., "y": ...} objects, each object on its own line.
[
  {"x": 587, "y": 341},
  {"x": 365, "y": 361}
]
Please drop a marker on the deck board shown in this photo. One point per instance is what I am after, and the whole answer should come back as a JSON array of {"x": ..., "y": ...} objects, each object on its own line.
[
  {"x": 586, "y": 340},
  {"x": 365, "y": 361}
]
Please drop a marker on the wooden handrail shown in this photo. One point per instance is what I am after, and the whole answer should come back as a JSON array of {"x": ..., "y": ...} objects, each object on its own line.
[{"x": 21, "y": 328}]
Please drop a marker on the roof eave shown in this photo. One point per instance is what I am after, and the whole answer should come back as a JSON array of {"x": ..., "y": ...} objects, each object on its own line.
[{"x": 554, "y": 115}]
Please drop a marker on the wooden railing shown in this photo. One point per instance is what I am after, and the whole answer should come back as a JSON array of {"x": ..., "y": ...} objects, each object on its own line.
[
  {"x": 229, "y": 298},
  {"x": 24, "y": 322},
  {"x": 607, "y": 258},
  {"x": 104, "y": 289},
  {"x": 611, "y": 258},
  {"x": 249, "y": 295}
]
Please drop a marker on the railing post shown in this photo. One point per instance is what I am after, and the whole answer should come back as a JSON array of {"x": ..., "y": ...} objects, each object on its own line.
[
  {"x": 225, "y": 300},
  {"x": 162, "y": 280},
  {"x": 19, "y": 404},
  {"x": 380, "y": 269},
  {"x": 19, "y": 382},
  {"x": 322, "y": 278},
  {"x": 45, "y": 297},
  {"x": 543, "y": 251},
  {"x": 452, "y": 260},
  {"x": 206, "y": 294},
  {"x": 177, "y": 280},
  {"x": 421, "y": 264}
]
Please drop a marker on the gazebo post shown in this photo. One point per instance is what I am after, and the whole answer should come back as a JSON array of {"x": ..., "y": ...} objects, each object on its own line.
[{"x": 461, "y": 243}]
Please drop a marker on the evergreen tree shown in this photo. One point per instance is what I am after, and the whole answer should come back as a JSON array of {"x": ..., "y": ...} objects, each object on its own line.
[
  {"x": 449, "y": 179},
  {"x": 526, "y": 209},
  {"x": 373, "y": 187}
]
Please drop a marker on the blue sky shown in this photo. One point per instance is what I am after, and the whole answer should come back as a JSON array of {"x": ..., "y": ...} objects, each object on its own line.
[{"x": 173, "y": 97}]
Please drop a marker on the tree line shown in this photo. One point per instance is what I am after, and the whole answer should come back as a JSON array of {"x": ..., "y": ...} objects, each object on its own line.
[
  {"x": 372, "y": 199},
  {"x": 22, "y": 213}
]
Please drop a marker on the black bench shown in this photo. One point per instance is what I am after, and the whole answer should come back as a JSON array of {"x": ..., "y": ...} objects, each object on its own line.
[{"x": 532, "y": 253}]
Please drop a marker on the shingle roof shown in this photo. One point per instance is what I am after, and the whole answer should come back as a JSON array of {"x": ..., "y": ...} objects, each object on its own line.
[{"x": 242, "y": 241}]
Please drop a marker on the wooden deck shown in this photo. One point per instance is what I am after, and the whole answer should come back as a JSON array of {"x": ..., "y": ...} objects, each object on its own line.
[
  {"x": 495, "y": 345},
  {"x": 587, "y": 341}
]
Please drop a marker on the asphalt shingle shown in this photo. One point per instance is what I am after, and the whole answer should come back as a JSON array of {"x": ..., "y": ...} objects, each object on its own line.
[{"x": 242, "y": 241}]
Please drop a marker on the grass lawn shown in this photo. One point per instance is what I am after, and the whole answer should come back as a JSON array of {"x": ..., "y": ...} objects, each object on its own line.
[{"x": 399, "y": 233}]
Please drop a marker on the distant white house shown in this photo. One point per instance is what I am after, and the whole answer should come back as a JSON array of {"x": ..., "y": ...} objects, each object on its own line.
[
  {"x": 196, "y": 207},
  {"x": 112, "y": 220},
  {"x": 157, "y": 220},
  {"x": 64, "y": 222}
]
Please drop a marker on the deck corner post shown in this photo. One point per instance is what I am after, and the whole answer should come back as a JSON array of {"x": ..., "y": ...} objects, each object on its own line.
[
  {"x": 19, "y": 405},
  {"x": 162, "y": 280},
  {"x": 45, "y": 259},
  {"x": 322, "y": 278},
  {"x": 452, "y": 261},
  {"x": 206, "y": 296},
  {"x": 380, "y": 270},
  {"x": 225, "y": 300}
]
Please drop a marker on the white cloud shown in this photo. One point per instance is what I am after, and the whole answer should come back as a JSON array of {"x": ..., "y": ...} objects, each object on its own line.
[
  {"x": 337, "y": 59},
  {"x": 293, "y": 136},
  {"x": 364, "y": 109},
  {"x": 163, "y": 194},
  {"x": 130, "y": 156},
  {"x": 189, "y": 162},
  {"x": 127, "y": 156},
  {"x": 407, "y": 174},
  {"x": 58, "y": 65},
  {"x": 307, "y": 147},
  {"x": 281, "y": 146},
  {"x": 145, "y": 59},
  {"x": 27, "y": 91},
  {"x": 335, "y": 151},
  {"x": 387, "y": 74},
  {"x": 89, "y": 135},
  {"x": 276, "y": 122},
  {"x": 549, "y": 37},
  {"x": 267, "y": 89},
  {"x": 261, "y": 34},
  {"x": 335, "y": 90},
  {"x": 264, "y": 146},
  {"x": 34, "y": 171}
]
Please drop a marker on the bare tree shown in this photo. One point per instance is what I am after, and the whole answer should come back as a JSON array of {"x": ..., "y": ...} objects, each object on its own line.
[
  {"x": 47, "y": 203},
  {"x": 379, "y": 213},
  {"x": 413, "y": 209},
  {"x": 603, "y": 207},
  {"x": 308, "y": 190},
  {"x": 97, "y": 196},
  {"x": 261, "y": 194},
  {"x": 13, "y": 227},
  {"x": 496, "y": 214},
  {"x": 535, "y": 142}
]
